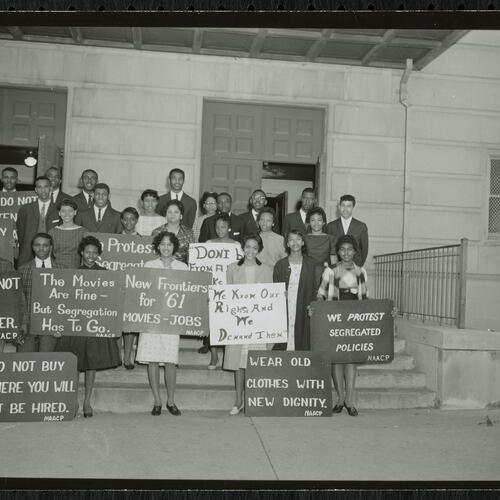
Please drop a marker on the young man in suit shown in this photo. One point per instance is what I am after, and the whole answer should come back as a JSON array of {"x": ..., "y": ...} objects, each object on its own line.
[
  {"x": 257, "y": 201},
  {"x": 347, "y": 224},
  {"x": 41, "y": 245},
  {"x": 54, "y": 176},
  {"x": 9, "y": 180},
  {"x": 87, "y": 183},
  {"x": 207, "y": 230},
  {"x": 36, "y": 217},
  {"x": 297, "y": 220},
  {"x": 101, "y": 218},
  {"x": 176, "y": 182}
]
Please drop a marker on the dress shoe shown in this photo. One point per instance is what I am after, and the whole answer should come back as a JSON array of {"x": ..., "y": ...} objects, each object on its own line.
[
  {"x": 156, "y": 410},
  {"x": 235, "y": 410},
  {"x": 338, "y": 408},
  {"x": 352, "y": 410},
  {"x": 173, "y": 409}
]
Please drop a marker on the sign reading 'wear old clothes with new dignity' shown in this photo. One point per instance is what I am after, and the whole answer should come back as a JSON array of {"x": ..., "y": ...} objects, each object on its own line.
[
  {"x": 123, "y": 251},
  {"x": 166, "y": 301},
  {"x": 287, "y": 384},
  {"x": 11, "y": 305},
  {"x": 77, "y": 302},
  {"x": 248, "y": 314},
  {"x": 214, "y": 258},
  {"x": 354, "y": 331},
  {"x": 38, "y": 387}
]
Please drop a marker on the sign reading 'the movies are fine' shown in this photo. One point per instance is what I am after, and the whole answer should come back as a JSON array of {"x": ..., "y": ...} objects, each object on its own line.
[
  {"x": 287, "y": 384},
  {"x": 353, "y": 331}
]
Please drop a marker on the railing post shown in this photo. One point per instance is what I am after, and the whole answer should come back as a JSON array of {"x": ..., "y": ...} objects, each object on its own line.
[{"x": 461, "y": 283}]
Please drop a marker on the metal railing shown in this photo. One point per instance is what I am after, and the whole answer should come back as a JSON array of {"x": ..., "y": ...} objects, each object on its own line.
[{"x": 428, "y": 283}]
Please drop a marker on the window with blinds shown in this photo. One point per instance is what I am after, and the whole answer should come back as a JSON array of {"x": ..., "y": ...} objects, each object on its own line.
[{"x": 494, "y": 199}]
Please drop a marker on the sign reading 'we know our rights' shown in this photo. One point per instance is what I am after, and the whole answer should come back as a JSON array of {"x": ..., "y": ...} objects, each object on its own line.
[{"x": 10, "y": 305}]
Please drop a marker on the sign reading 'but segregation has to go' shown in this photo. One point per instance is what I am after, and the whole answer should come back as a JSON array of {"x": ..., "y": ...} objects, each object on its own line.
[
  {"x": 287, "y": 384},
  {"x": 247, "y": 314},
  {"x": 11, "y": 305},
  {"x": 38, "y": 387},
  {"x": 166, "y": 301},
  {"x": 354, "y": 331},
  {"x": 124, "y": 251},
  {"x": 77, "y": 302}
]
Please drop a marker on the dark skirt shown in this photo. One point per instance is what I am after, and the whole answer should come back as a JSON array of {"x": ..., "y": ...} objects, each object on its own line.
[{"x": 93, "y": 353}]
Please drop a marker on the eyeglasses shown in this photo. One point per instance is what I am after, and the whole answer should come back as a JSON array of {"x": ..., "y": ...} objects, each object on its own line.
[{"x": 210, "y": 203}]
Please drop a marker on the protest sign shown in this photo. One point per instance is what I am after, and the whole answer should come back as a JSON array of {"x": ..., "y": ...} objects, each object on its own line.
[
  {"x": 6, "y": 238},
  {"x": 166, "y": 301},
  {"x": 247, "y": 314},
  {"x": 38, "y": 387},
  {"x": 11, "y": 305},
  {"x": 122, "y": 251},
  {"x": 353, "y": 331},
  {"x": 287, "y": 384},
  {"x": 214, "y": 258},
  {"x": 77, "y": 302}
]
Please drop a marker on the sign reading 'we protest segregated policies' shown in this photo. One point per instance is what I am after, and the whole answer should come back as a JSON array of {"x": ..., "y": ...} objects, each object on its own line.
[
  {"x": 166, "y": 301},
  {"x": 247, "y": 314},
  {"x": 77, "y": 302},
  {"x": 287, "y": 384},
  {"x": 11, "y": 305},
  {"x": 353, "y": 331},
  {"x": 38, "y": 387}
]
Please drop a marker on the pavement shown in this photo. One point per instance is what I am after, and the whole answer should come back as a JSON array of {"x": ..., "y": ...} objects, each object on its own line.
[{"x": 404, "y": 445}]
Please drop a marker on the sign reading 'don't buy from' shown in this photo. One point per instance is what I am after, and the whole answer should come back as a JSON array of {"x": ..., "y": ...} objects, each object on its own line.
[{"x": 247, "y": 314}]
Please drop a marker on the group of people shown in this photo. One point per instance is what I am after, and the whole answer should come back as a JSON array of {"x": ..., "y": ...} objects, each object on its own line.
[{"x": 316, "y": 259}]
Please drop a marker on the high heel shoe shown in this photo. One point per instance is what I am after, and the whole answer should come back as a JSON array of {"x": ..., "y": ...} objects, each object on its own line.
[
  {"x": 88, "y": 414},
  {"x": 351, "y": 410},
  {"x": 338, "y": 408},
  {"x": 156, "y": 410},
  {"x": 235, "y": 410},
  {"x": 173, "y": 409},
  {"x": 129, "y": 366}
]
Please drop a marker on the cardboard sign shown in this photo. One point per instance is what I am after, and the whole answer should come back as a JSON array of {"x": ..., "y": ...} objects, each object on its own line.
[
  {"x": 38, "y": 387},
  {"x": 248, "y": 314},
  {"x": 77, "y": 302},
  {"x": 166, "y": 301},
  {"x": 354, "y": 331},
  {"x": 287, "y": 384},
  {"x": 123, "y": 251},
  {"x": 11, "y": 305},
  {"x": 7, "y": 229},
  {"x": 214, "y": 258}
]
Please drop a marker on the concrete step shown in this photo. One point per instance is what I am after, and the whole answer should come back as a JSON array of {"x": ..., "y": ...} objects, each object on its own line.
[{"x": 385, "y": 399}]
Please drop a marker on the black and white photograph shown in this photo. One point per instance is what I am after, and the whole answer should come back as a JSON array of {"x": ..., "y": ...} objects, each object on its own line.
[{"x": 249, "y": 253}]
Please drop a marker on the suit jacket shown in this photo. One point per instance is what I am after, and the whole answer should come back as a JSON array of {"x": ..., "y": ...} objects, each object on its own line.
[
  {"x": 81, "y": 202},
  {"x": 190, "y": 208},
  {"x": 110, "y": 222},
  {"x": 250, "y": 225},
  {"x": 293, "y": 221},
  {"x": 62, "y": 196},
  {"x": 358, "y": 231},
  {"x": 28, "y": 218},
  {"x": 207, "y": 230}
]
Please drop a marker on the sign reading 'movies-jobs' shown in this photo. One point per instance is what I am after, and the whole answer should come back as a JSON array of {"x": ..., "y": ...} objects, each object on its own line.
[
  {"x": 166, "y": 301},
  {"x": 354, "y": 331},
  {"x": 77, "y": 302},
  {"x": 248, "y": 314}
]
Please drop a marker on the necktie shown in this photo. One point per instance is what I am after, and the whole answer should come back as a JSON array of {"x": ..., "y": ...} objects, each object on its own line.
[
  {"x": 99, "y": 215},
  {"x": 43, "y": 263},
  {"x": 41, "y": 223},
  {"x": 54, "y": 198},
  {"x": 91, "y": 200},
  {"x": 177, "y": 196}
]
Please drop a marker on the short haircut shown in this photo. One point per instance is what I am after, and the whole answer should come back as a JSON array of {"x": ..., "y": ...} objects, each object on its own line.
[
  {"x": 309, "y": 190},
  {"x": 10, "y": 169},
  {"x": 176, "y": 171},
  {"x": 130, "y": 210},
  {"x": 57, "y": 169},
  {"x": 258, "y": 191},
  {"x": 347, "y": 238},
  {"x": 316, "y": 210},
  {"x": 47, "y": 236},
  {"x": 223, "y": 216},
  {"x": 89, "y": 240},
  {"x": 348, "y": 197},
  {"x": 67, "y": 202},
  {"x": 298, "y": 233},
  {"x": 225, "y": 194},
  {"x": 204, "y": 198},
  {"x": 152, "y": 193},
  {"x": 101, "y": 185},
  {"x": 90, "y": 170},
  {"x": 267, "y": 210},
  {"x": 42, "y": 178},
  {"x": 159, "y": 238},
  {"x": 177, "y": 203},
  {"x": 260, "y": 245}
]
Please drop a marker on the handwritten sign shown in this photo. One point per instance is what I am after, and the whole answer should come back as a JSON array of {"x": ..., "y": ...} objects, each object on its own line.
[
  {"x": 354, "y": 331},
  {"x": 166, "y": 301},
  {"x": 214, "y": 258},
  {"x": 247, "y": 314},
  {"x": 10, "y": 305},
  {"x": 77, "y": 302},
  {"x": 123, "y": 251},
  {"x": 7, "y": 229},
  {"x": 287, "y": 384},
  {"x": 38, "y": 387}
]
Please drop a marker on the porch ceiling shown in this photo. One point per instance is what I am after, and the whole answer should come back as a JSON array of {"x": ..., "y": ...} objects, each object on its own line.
[{"x": 371, "y": 47}]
